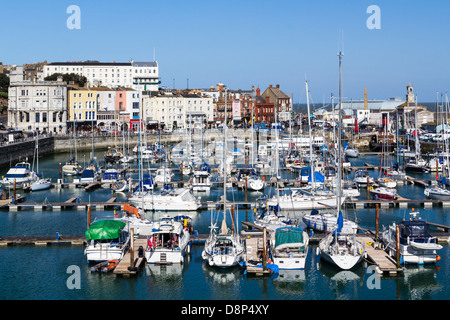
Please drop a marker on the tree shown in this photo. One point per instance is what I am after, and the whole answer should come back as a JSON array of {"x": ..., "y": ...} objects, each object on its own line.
[
  {"x": 68, "y": 77},
  {"x": 4, "y": 82}
]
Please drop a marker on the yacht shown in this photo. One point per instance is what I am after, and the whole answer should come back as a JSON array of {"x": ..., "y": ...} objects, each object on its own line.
[
  {"x": 361, "y": 177},
  {"x": 20, "y": 174},
  {"x": 269, "y": 217},
  {"x": 351, "y": 152},
  {"x": 41, "y": 184},
  {"x": 106, "y": 240},
  {"x": 163, "y": 175},
  {"x": 417, "y": 246},
  {"x": 290, "y": 248},
  {"x": 72, "y": 168},
  {"x": 223, "y": 249},
  {"x": 298, "y": 200},
  {"x": 201, "y": 179},
  {"x": 327, "y": 221},
  {"x": 113, "y": 155},
  {"x": 341, "y": 250},
  {"x": 168, "y": 200},
  {"x": 168, "y": 243},
  {"x": 110, "y": 176},
  {"x": 254, "y": 182},
  {"x": 437, "y": 192},
  {"x": 383, "y": 193}
]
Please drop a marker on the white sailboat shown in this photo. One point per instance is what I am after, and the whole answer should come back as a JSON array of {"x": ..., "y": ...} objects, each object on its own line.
[
  {"x": 223, "y": 249},
  {"x": 338, "y": 249},
  {"x": 40, "y": 183}
]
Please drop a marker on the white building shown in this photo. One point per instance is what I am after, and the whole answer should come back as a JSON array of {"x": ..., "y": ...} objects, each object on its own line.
[
  {"x": 37, "y": 105},
  {"x": 173, "y": 109},
  {"x": 136, "y": 75}
]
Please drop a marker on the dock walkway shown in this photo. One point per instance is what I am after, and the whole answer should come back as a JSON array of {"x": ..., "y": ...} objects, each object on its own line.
[{"x": 126, "y": 266}]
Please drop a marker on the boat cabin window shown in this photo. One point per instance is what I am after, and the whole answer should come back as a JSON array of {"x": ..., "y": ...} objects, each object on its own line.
[{"x": 164, "y": 240}]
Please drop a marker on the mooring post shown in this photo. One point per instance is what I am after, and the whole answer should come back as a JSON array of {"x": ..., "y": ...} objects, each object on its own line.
[{"x": 377, "y": 220}]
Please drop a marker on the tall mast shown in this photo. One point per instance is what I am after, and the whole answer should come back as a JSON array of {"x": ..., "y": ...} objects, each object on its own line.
[
  {"x": 310, "y": 138},
  {"x": 340, "y": 54}
]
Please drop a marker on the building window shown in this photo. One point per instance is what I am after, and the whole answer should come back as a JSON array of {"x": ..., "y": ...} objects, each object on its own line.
[
  {"x": 44, "y": 116},
  {"x": 37, "y": 116}
]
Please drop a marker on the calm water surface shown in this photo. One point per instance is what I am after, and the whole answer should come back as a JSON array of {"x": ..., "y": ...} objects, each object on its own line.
[{"x": 28, "y": 272}]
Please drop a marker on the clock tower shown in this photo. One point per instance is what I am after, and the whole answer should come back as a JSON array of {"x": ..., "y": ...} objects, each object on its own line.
[{"x": 409, "y": 94}]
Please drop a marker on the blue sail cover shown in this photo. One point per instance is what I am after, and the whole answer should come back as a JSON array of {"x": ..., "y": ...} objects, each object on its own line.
[
  {"x": 340, "y": 222},
  {"x": 318, "y": 177}
]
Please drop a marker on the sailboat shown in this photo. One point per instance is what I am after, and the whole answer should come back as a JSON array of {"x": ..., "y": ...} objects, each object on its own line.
[
  {"x": 336, "y": 248},
  {"x": 41, "y": 183},
  {"x": 72, "y": 167},
  {"x": 223, "y": 249},
  {"x": 440, "y": 191},
  {"x": 417, "y": 164},
  {"x": 302, "y": 200}
]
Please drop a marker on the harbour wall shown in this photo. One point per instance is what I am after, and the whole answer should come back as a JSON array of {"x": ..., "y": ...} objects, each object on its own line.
[
  {"x": 22, "y": 151},
  {"x": 103, "y": 142}
]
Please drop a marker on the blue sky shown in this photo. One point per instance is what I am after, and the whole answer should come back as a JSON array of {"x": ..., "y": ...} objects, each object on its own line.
[{"x": 247, "y": 43}]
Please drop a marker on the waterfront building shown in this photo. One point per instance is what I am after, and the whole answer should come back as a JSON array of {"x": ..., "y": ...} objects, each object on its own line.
[
  {"x": 132, "y": 74},
  {"x": 82, "y": 103},
  {"x": 174, "y": 109},
  {"x": 37, "y": 105},
  {"x": 282, "y": 101}
]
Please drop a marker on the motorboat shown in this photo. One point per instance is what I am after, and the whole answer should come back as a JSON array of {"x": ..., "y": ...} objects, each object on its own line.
[
  {"x": 109, "y": 177},
  {"x": 113, "y": 155},
  {"x": 269, "y": 217},
  {"x": 362, "y": 177},
  {"x": 168, "y": 200},
  {"x": 88, "y": 175},
  {"x": 163, "y": 175},
  {"x": 417, "y": 165},
  {"x": 72, "y": 168},
  {"x": 20, "y": 175},
  {"x": 298, "y": 200},
  {"x": 41, "y": 184},
  {"x": 290, "y": 248},
  {"x": 417, "y": 246},
  {"x": 387, "y": 182},
  {"x": 201, "y": 180},
  {"x": 134, "y": 218},
  {"x": 121, "y": 185},
  {"x": 168, "y": 243},
  {"x": 327, "y": 221},
  {"x": 437, "y": 192},
  {"x": 383, "y": 193},
  {"x": 106, "y": 240},
  {"x": 351, "y": 152}
]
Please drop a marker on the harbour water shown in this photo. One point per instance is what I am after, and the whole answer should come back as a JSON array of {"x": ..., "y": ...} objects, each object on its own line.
[{"x": 44, "y": 273}]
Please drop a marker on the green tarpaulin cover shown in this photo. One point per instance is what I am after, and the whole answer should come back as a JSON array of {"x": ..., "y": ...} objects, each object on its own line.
[
  {"x": 288, "y": 235},
  {"x": 104, "y": 229}
]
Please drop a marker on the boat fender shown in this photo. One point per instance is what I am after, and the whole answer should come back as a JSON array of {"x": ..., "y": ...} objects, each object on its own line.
[
  {"x": 438, "y": 257},
  {"x": 317, "y": 251}
]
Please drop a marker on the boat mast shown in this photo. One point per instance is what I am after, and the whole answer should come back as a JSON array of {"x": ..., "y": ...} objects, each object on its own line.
[
  {"x": 310, "y": 137},
  {"x": 340, "y": 54}
]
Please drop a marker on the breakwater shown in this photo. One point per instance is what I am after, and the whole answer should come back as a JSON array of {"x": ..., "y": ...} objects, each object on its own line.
[{"x": 23, "y": 150}]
